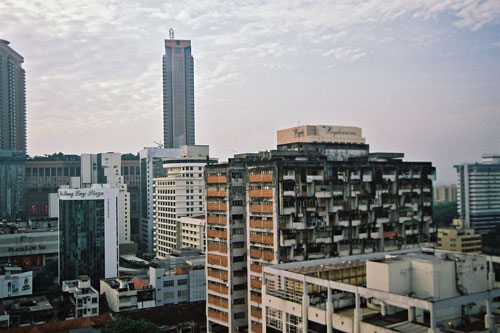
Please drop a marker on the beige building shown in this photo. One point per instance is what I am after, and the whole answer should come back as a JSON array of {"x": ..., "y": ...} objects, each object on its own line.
[
  {"x": 444, "y": 193},
  {"x": 459, "y": 239},
  {"x": 320, "y": 133},
  {"x": 191, "y": 232}
]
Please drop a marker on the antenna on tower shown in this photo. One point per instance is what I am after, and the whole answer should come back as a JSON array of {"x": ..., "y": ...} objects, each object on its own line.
[{"x": 171, "y": 33}]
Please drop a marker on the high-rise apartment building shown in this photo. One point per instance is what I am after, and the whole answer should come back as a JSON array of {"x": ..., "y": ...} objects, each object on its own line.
[
  {"x": 179, "y": 193},
  {"x": 88, "y": 233},
  {"x": 12, "y": 99},
  {"x": 178, "y": 94},
  {"x": 478, "y": 193},
  {"x": 304, "y": 201}
]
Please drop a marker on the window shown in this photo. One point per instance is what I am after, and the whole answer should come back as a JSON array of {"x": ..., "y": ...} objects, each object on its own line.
[
  {"x": 239, "y": 301},
  {"x": 240, "y": 286},
  {"x": 238, "y": 245},
  {"x": 168, "y": 283},
  {"x": 239, "y": 259},
  {"x": 168, "y": 294},
  {"x": 182, "y": 282}
]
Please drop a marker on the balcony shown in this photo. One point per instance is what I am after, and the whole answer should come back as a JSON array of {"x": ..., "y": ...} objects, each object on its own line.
[
  {"x": 216, "y": 179},
  {"x": 312, "y": 178},
  {"x": 261, "y": 193},
  {"x": 388, "y": 176},
  {"x": 214, "y": 259},
  {"x": 288, "y": 193},
  {"x": 216, "y": 220},
  {"x": 256, "y": 284},
  {"x": 288, "y": 177},
  {"x": 216, "y": 206},
  {"x": 217, "y": 316},
  {"x": 367, "y": 178},
  {"x": 362, "y": 235},
  {"x": 261, "y": 208},
  {"x": 338, "y": 238},
  {"x": 261, "y": 178},
  {"x": 216, "y": 194}
]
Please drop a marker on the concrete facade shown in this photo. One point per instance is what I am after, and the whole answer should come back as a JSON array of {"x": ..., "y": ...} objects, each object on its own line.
[{"x": 404, "y": 291}]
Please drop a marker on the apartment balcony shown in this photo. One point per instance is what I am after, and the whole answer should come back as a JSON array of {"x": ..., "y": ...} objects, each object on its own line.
[
  {"x": 356, "y": 222},
  {"x": 403, "y": 219},
  {"x": 367, "y": 178},
  {"x": 216, "y": 179},
  {"x": 375, "y": 235},
  {"x": 344, "y": 223},
  {"x": 312, "y": 178},
  {"x": 261, "y": 208},
  {"x": 299, "y": 225},
  {"x": 416, "y": 175},
  {"x": 324, "y": 239},
  {"x": 288, "y": 193},
  {"x": 363, "y": 207},
  {"x": 427, "y": 189},
  {"x": 288, "y": 210},
  {"x": 362, "y": 235},
  {"x": 338, "y": 238},
  {"x": 315, "y": 255},
  {"x": 261, "y": 178},
  {"x": 323, "y": 194},
  {"x": 288, "y": 242},
  {"x": 404, "y": 190},
  {"x": 288, "y": 177},
  {"x": 417, "y": 190},
  {"x": 261, "y": 193},
  {"x": 216, "y": 206},
  {"x": 382, "y": 219},
  {"x": 355, "y": 176},
  {"x": 217, "y": 194}
]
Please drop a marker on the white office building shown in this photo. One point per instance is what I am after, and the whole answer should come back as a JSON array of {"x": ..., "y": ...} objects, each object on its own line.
[
  {"x": 179, "y": 193},
  {"x": 478, "y": 193},
  {"x": 179, "y": 280}
]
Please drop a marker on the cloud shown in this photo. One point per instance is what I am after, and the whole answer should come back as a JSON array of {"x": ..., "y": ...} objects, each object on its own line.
[{"x": 98, "y": 63}]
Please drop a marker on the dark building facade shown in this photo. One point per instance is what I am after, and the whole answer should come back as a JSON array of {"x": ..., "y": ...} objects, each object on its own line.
[
  {"x": 44, "y": 175},
  {"x": 131, "y": 173},
  {"x": 12, "y": 99},
  {"x": 12, "y": 184}
]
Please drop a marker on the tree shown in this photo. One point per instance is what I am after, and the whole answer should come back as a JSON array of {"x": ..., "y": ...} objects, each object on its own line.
[
  {"x": 444, "y": 213},
  {"x": 129, "y": 325}
]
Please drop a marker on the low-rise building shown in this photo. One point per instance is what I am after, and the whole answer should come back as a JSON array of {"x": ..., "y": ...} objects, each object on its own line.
[
  {"x": 15, "y": 282},
  {"x": 30, "y": 245},
  {"x": 459, "y": 239},
  {"x": 127, "y": 294},
  {"x": 179, "y": 280},
  {"x": 84, "y": 297},
  {"x": 191, "y": 232},
  {"x": 413, "y": 290}
]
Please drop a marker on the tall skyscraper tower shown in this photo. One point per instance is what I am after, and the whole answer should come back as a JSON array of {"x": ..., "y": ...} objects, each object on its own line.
[
  {"x": 12, "y": 99},
  {"x": 178, "y": 94}
]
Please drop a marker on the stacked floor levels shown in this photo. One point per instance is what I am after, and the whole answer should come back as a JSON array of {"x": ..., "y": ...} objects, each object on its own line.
[{"x": 307, "y": 201}]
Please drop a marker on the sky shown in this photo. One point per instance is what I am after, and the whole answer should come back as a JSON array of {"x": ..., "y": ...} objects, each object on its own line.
[{"x": 418, "y": 76}]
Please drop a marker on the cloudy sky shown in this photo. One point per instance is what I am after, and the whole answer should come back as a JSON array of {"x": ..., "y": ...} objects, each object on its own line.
[{"x": 418, "y": 76}]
